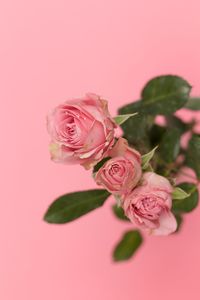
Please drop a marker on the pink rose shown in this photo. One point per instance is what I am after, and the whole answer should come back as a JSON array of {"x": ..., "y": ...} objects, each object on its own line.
[
  {"x": 149, "y": 205},
  {"x": 82, "y": 131},
  {"x": 120, "y": 174}
]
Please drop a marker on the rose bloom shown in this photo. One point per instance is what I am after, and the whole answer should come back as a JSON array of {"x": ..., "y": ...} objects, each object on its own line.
[
  {"x": 149, "y": 205},
  {"x": 120, "y": 174},
  {"x": 82, "y": 131}
]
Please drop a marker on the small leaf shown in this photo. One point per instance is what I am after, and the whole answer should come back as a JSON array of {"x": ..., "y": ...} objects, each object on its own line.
[
  {"x": 147, "y": 157},
  {"x": 120, "y": 119},
  {"x": 119, "y": 213},
  {"x": 179, "y": 193},
  {"x": 188, "y": 204},
  {"x": 165, "y": 94},
  {"x": 130, "y": 242},
  {"x": 193, "y": 103},
  {"x": 74, "y": 205},
  {"x": 170, "y": 145},
  {"x": 193, "y": 154},
  {"x": 100, "y": 164},
  {"x": 179, "y": 220},
  {"x": 149, "y": 168}
]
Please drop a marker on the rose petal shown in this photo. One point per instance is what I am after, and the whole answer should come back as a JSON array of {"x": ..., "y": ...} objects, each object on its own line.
[
  {"x": 153, "y": 180},
  {"x": 82, "y": 130},
  {"x": 61, "y": 154},
  {"x": 168, "y": 224},
  {"x": 122, "y": 148}
]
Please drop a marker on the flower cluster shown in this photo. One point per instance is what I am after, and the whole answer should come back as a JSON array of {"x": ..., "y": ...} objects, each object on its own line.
[{"x": 83, "y": 132}]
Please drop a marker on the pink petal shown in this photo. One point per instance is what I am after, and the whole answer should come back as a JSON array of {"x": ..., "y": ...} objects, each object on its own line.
[
  {"x": 61, "y": 154},
  {"x": 154, "y": 180},
  {"x": 168, "y": 224}
]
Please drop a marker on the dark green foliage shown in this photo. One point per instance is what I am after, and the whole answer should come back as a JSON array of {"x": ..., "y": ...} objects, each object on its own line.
[
  {"x": 136, "y": 128},
  {"x": 119, "y": 213},
  {"x": 193, "y": 154},
  {"x": 193, "y": 103},
  {"x": 179, "y": 220},
  {"x": 188, "y": 204},
  {"x": 128, "y": 245},
  {"x": 155, "y": 134},
  {"x": 170, "y": 145},
  {"x": 161, "y": 95},
  {"x": 175, "y": 122},
  {"x": 165, "y": 94},
  {"x": 100, "y": 164},
  {"x": 74, "y": 205}
]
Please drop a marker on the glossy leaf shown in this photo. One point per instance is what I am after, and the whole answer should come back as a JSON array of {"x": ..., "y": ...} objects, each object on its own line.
[
  {"x": 119, "y": 213},
  {"x": 193, "y": 154},
  {"x": 74, "y": 205},
  {"x": 128, "y": 245},
  {"x": 165, "y": 94},
  {"x": 188, "y": 204}
]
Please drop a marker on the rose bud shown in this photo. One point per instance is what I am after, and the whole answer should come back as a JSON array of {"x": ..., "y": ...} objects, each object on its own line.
[
  {"x": 149, "y": 205},
  {"x": 120, "y": 174},
  {"x": 82, "y": 131}
]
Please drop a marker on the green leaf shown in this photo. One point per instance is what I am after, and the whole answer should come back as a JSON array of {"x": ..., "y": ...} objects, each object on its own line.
[
  {"x": 74, "y": 205},
  {"x": 165, "y": 94},
  {"x": 193, "y": 103},
  {"x": 188, "y": 204},
  {"x": 156, "y": 134},
  {"x": 175, "y": 122},
  {"x": 193, "y": 154},
  {"x": 147, "y": 157},
  {"x": 130, "y": 242},
  {"x": 179, "y": 221},
  {"x": 179, "y": 193},
  {"x": 136, "y": 129},
  {"x": 100, "y": 164},
  {"x": 119, "y": 213},
  {"x": 169, "y": 147},
  {"x": 120, "y": 119}
]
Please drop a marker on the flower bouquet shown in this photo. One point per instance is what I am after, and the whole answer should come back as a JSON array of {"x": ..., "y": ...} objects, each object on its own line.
[{"x": 139, "y": 168}]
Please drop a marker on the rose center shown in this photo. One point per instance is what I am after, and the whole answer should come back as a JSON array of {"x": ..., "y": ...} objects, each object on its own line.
[
  {"x": 148, "y": 207},
  {"x": 116, "y": 170},
  {"x": 71, "y": 130}
]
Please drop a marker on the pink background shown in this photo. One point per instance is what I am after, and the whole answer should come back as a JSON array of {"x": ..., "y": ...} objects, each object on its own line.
[{"x": 53, "y": 50}]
